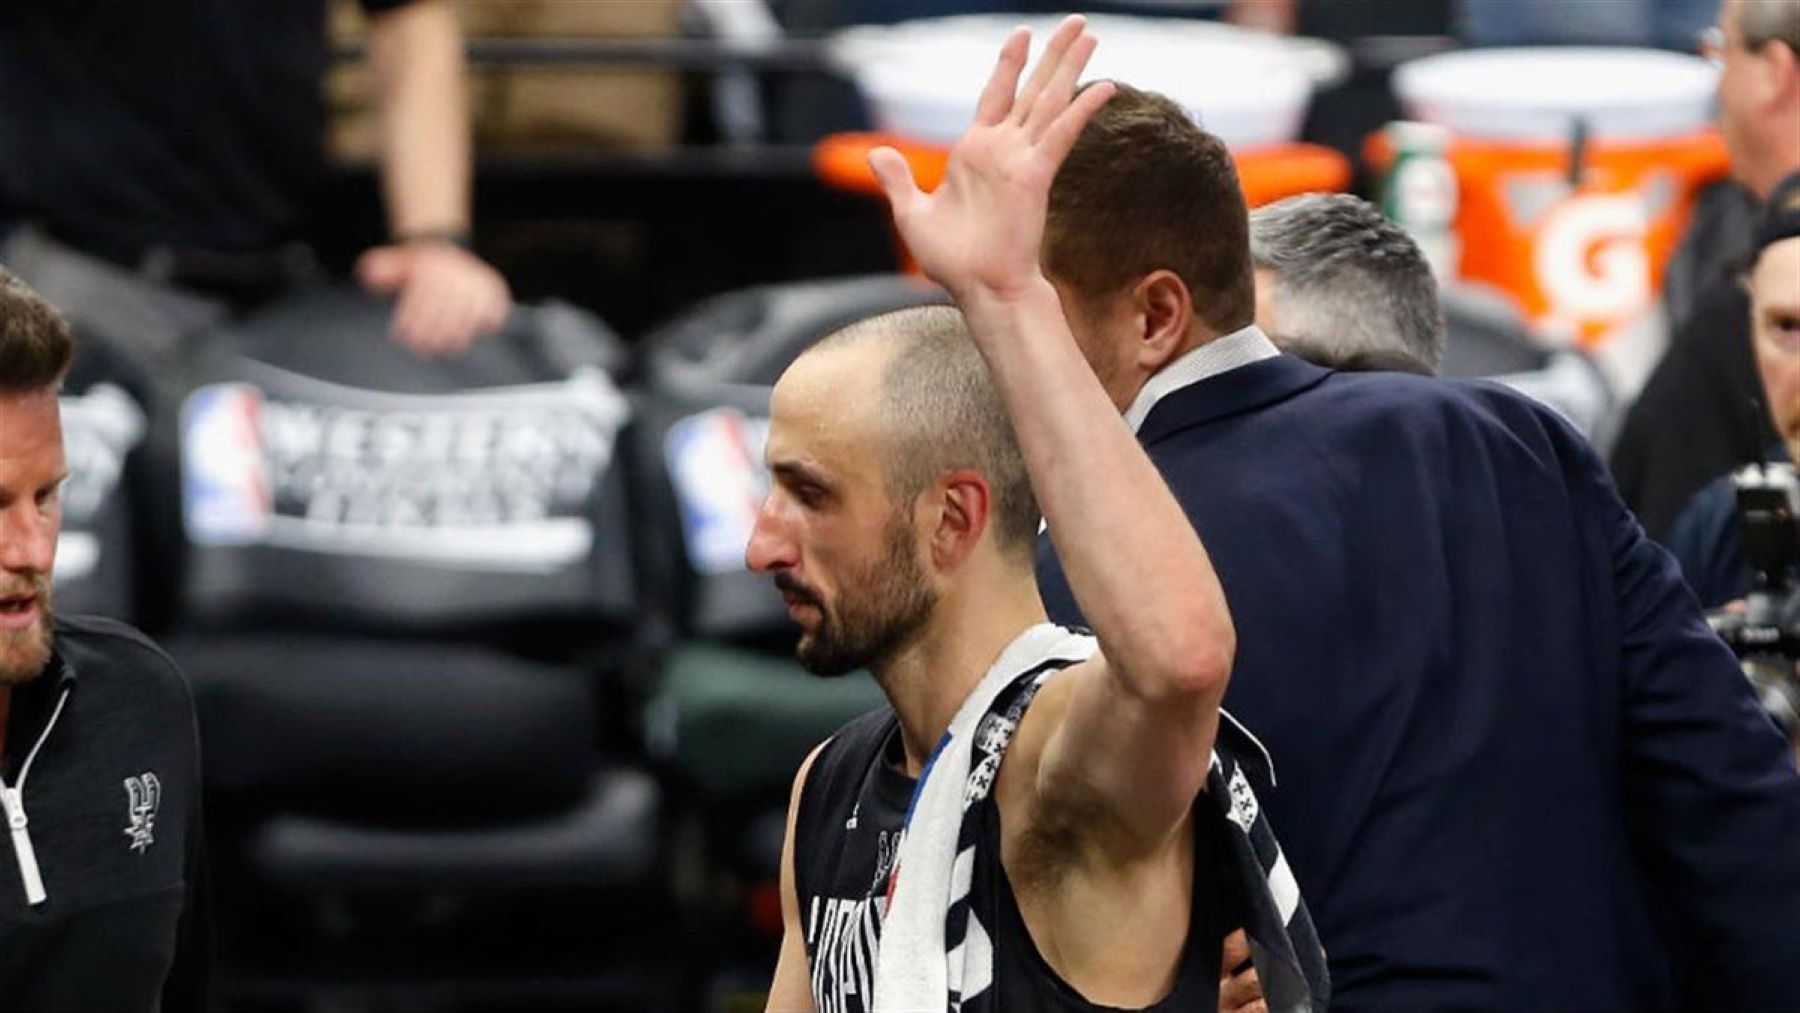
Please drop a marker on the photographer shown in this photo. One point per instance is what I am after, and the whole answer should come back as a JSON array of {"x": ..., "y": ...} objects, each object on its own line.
[
  {"x": 1706, "y": 536},
  {"x": 1709, "y": 537},
  {"x": 1689, "y": 423}
]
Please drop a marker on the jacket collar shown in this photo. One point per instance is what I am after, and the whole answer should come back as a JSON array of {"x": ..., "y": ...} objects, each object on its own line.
[
  {"x": 1243, "y": 389},
  {"x": 1220, "y": 355}
]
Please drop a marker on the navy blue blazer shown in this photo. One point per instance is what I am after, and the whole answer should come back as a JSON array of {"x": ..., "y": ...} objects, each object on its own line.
[{"x": 1515, "y": 770}]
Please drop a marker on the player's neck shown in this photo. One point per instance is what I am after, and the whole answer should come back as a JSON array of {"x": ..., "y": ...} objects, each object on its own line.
[
  {"x": 1196, "y": 336},
  {"x": 928, "y": 680}
]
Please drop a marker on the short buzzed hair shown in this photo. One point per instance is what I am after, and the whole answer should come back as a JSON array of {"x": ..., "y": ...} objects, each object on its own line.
[
  {"x": 941, "y": 412},
  {"x": 1763, "y": 21},
  {"x": 1351, "y": 288},
  {"x": 35, "y": 342}
]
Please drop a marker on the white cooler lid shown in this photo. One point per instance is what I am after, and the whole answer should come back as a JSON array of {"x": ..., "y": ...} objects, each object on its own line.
[
  {"x": 1536, "y": 94},
  {"x": 921, "y": 78}
]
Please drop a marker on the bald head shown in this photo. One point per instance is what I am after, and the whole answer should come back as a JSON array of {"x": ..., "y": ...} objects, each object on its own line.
[{"x": 937, "y": 411}]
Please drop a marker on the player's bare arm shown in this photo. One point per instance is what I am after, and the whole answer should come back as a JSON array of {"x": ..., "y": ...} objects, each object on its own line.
[
  {"x": 1124, "y": 741},
  {"x": 791, "y": 991}
]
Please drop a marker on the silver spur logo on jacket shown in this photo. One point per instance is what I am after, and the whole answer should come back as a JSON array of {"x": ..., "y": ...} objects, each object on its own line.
[{"x": 143, "y": 796}]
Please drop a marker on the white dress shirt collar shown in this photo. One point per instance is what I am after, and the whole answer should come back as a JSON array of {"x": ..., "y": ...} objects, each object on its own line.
[{"x": 1220, "y": 355}]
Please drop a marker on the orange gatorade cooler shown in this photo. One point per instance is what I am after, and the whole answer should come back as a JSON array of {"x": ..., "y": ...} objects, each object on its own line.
[
  {"x": 921, "y": 79},
  {"x": 1266, "y": 174},
  {"x": 1577, "y": 169}
]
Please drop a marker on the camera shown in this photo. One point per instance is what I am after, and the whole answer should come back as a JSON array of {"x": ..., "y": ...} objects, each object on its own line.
[{"x": 1765, "y": 633}]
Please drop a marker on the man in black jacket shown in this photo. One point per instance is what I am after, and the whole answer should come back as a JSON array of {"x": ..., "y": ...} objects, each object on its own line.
[
  {"x": 101, "y": 880},
  {"x": 1694, "y": 419},
  {"x": 1706, "y": 538},
  {"x": 168, "y": 160}
]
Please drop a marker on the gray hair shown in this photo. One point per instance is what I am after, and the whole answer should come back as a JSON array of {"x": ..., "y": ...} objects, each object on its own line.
[
  {"x": 1763, "y": 21},
  {"x": 940, "y": 412},
  {"x": 1351, "y": 289}
]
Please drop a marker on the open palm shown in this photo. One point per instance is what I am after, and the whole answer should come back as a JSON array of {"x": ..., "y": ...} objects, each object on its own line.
[{"x": 981, "y": 229}]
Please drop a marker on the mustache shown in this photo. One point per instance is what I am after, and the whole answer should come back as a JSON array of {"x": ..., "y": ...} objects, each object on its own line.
[
  {"x": 35, "y": 587},
  {"x": 794, "y": 589}
]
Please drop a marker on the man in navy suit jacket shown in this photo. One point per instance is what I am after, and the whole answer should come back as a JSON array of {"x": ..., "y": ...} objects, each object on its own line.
[{"x": 1515, "y": 770}]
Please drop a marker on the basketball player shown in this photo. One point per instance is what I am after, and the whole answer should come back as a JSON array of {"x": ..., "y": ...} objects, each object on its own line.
[{"x": 900, "y": 531}]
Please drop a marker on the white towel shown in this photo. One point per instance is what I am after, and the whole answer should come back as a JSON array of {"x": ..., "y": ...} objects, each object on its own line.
[{"x": 916, "y": 970}]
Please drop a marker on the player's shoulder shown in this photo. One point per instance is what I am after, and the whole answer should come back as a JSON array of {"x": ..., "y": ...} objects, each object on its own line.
[
  {"x": 857, "y": 742},
  {"x": 1468, "y": 408},
  {"x": 120, "y": 656},
  {"x": 1411, "y": 392}
]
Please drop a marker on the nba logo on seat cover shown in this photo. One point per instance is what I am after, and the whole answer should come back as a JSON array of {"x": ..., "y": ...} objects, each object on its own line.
[
  {"x": 715, "y": 463},
  {"x": 224, "y": 475}
]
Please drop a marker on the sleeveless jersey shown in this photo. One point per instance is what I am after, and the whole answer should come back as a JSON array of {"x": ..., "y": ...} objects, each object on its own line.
[{"x": 846, "y": 832}]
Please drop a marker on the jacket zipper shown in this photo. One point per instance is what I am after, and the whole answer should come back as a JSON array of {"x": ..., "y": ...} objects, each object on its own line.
[{"x": 12, "y": 798}]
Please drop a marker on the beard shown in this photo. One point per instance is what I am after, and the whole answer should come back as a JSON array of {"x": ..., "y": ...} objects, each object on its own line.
[
  {"x": 24, "y": 654},
  {"x": 883, "y": 605}
]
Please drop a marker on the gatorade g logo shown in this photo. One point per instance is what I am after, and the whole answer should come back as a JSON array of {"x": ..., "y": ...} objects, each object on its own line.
[{"x": 1590, "y": 259}]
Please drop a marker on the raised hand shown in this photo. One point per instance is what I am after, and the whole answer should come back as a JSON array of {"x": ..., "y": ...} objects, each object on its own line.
[{"x": 978, "y": 234}]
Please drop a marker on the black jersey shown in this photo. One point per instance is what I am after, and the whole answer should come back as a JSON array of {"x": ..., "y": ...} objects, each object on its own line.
[{"x": 846, "y": 833}]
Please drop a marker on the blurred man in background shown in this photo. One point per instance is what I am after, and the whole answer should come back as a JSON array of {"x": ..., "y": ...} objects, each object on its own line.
[
  {"x": 1340, "y": 285},
  {"x": 1510, "y": 751},
  {"x": 102, "y": 889},
  {"x": 1752, "y": 574},
  {"x": 165, "y": 154},
  {"x": 1694, "y": 419},
  {"x": 1706, "y": 537}
]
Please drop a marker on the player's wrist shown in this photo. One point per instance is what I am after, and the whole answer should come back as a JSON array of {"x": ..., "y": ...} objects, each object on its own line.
[
  {"x": 452, "y": 236},
  {"x": 1004, "y": 294}
]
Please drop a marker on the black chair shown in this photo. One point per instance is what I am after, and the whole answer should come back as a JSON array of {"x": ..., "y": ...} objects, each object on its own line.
[
  {"x": 746, "y": 338},
  {"x": 105, "y": 421},
  {"x": 409, "y": 607}
]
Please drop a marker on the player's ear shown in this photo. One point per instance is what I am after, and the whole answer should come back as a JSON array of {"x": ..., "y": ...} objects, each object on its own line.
[
  {"x": 1165, "y": 310},
  {"x": 964, "y": 507}
]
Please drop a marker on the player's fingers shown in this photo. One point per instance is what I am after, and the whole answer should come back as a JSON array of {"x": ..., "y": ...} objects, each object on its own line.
[
  {"x": 895, "y": 176},
  {"x": 997, "y": 97},
  {"x": 1065, "y": 33},
  {"x": 491, "y": 314},
  {"x": 409, "y": 311},
  {"x": 1060, "y": 136},
  {"x": 382, "y": 269},
  {"x": 458, "y": 325},
  {"x": 1237, "y": 951},
  {"x": 425, "y": 314},
  {"x": 1239, "y": 992},
  {"x": 1056, "y": 94}
]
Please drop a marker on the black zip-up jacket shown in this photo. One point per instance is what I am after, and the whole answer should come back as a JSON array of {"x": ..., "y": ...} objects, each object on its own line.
[{"x": 102, "y": 883}]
